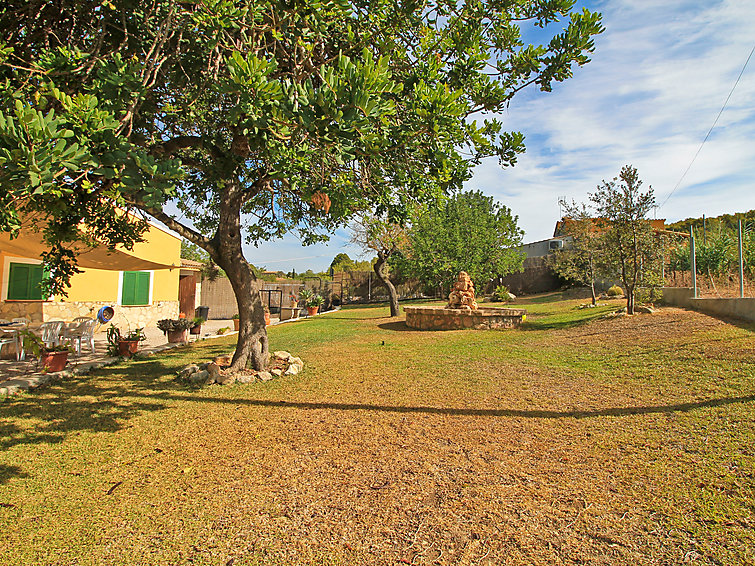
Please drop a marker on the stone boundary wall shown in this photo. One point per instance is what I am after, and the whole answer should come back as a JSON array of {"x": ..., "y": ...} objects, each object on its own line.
[
  {"x": 440, "y": 318},
  {"x": 743, "y": 308},
  {"x": 125, "y": 317}
]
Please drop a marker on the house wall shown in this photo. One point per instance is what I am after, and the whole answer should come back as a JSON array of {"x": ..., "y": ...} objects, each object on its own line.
[{"x": 92, "y": 289}]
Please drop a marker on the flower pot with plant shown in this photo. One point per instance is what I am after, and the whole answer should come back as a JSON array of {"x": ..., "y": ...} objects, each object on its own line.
[
  {"x": 124, "y": 345},
  {"x": 175, "y": 328},
  {"x": 294, "y": 301},
  {"x": 267, "y": 315},
  {"x": 51, "y": 358},
  {"x": 314, "y": 303},
  {"x": 197, "y": 328},
  {"x": 235, "y": 319}
]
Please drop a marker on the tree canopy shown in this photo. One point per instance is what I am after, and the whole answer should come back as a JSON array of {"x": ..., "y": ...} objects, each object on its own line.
[
  {"x": 240, "y": 121},
  {"x": 467, "y": 232}
]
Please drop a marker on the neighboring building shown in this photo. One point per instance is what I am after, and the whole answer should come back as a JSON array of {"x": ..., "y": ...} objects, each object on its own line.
[
  {"x": 142, "y": 285},
  {"x": 537, "y": 276}
]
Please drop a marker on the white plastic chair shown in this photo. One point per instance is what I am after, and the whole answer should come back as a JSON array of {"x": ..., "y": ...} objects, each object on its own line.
[
  {"x": 13, "y": 337},
  {"x": 22, "y": 320},
  {"x": 51, "y": 332},
  {"x": 84, "y": 331}
]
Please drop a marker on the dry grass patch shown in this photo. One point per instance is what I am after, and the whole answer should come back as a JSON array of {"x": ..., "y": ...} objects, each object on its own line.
[{"x": 574, "y": 440}]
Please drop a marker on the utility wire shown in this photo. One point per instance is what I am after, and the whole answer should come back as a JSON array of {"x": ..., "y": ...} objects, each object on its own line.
[{"x": 699, "y": 149}]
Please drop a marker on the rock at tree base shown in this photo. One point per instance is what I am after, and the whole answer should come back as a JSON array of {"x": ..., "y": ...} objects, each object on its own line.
[{"x": 264, "y": 375}]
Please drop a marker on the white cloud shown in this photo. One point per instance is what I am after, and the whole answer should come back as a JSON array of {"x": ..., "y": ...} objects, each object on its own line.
[{"x": 659, "y": 76}]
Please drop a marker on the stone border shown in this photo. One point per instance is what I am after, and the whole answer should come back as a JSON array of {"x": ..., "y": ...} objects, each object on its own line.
[{"x": 441, "y": 318}]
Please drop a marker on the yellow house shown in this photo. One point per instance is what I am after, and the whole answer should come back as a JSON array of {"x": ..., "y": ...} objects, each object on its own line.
[{"x": 142, "y": 285}]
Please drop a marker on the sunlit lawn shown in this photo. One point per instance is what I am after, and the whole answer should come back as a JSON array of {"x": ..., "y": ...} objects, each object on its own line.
[{"x": 576, "y": 439}]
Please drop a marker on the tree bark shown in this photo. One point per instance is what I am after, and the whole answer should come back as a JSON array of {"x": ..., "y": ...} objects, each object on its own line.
[
  {"x": 252, "y": 345},
  {"x": 382, "y": 275}
]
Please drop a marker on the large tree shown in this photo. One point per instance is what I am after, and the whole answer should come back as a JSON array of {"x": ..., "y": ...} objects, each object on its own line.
[
  {"x": 239, "y": 121},
  {"x": 467, "y": 232}
]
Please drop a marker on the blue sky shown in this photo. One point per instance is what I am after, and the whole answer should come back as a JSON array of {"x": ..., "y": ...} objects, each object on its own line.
[{"x": 659, "y": 75}]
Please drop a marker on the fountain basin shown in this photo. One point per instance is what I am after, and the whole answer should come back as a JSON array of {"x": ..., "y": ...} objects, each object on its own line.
[{"x": 442, "y": 318}]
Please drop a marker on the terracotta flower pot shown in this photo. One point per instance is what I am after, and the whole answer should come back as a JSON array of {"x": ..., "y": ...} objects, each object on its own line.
[
  {"x": 54, "y": 361},
  {"x": 195, "y": 330},
  {"x": 267, "y": 318},
  {"x": 127, "y": 348},
  {"x": 312, "y": 311},
  {"x": 236, "y": 323},
  {"x": 176, "y": 336}
]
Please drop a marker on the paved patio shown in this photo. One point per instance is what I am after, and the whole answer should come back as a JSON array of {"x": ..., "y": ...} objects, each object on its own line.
[{"x": 22, "y": 375}]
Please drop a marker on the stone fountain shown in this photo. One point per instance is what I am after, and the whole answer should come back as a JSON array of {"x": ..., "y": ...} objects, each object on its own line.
[{"x": 462, "y": 312}]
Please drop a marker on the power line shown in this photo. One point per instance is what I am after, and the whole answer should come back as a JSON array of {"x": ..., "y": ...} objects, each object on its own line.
[{"x": 711, "y": 128}]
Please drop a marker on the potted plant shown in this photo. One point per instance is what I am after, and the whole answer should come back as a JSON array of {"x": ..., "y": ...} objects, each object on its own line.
[
  {"x": 313, "y": 304},
  {"x": 197, "y": 328},
  {"x": 52, "y": 358},
  {"x": 175, "y": 328},
  {"x": 267, "y": 314},
  {"x": 125, "y": 345},
  {"x": 294, "y": 301},
  {"x": 235, "y": 319}
]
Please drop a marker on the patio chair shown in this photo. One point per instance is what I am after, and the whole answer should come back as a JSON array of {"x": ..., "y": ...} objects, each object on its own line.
[
  {"x": 51, "y": 332},
  {"x": 22, "y": 320},
  {"x": 11, "y": 336},
  {"x": 84, "y": 331}
]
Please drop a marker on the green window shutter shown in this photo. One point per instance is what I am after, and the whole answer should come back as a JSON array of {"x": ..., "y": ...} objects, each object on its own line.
[
  {"x": 135, "y": 288},
  {"x": 24, "y": 282}
]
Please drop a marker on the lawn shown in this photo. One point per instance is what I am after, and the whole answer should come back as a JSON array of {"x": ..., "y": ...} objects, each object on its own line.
[{"x": 576, "y": 439}]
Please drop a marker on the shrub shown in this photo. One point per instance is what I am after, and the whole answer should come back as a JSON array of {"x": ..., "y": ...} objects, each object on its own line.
[
  {"x": 615, "y": 291},
  {"x": 501, "y": 293}
]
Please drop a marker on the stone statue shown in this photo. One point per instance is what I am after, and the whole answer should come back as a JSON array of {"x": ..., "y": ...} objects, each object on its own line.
[{"x": 462, "y": 294}]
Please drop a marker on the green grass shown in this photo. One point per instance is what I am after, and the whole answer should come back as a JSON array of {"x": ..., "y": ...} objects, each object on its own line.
[{"x": 574, "y": 439}]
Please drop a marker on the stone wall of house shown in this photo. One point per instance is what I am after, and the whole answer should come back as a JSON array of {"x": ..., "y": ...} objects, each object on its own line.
[
  {"x": 439, "y": 318},
  {"x": 125, "y": 317},
  {"x": 16, "y": 309}
]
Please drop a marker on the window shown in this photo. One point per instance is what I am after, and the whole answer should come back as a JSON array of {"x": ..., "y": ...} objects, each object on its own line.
[
  {"x": 24, "y": 282},
  {"x": 135, "y": 290}
]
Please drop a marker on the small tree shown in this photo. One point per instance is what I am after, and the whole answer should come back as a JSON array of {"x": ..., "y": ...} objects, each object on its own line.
[
  {"x": 385, "y": 239},
  {"x": 467, "y": 232},
  {"x": 629, "y": 245},
  {"x": 579, "y": 261}
]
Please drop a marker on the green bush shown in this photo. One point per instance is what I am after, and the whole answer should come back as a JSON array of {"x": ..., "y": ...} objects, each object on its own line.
[
  {"x": 501, "y": 293},
  {"x": 615, "y": 291}
]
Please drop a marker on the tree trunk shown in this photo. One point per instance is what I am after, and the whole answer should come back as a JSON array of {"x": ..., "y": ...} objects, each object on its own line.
[
  {"x": 380, "y": 271},
  {"x": 592, "y": 282},
  {"x": 252, "y": 345}
]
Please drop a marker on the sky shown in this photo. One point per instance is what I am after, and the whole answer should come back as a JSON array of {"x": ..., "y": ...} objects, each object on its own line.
[{"x": 659, "y": 76}]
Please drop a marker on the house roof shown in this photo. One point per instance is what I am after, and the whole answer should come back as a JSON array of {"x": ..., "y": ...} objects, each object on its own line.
[
  {"x": 191, "y": 265},
  {"x": 29, "y": 244}
]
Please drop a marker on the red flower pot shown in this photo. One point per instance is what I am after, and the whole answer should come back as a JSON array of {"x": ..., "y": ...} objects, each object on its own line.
[
  {"x": 127, "y": 348},
  {"x": 176, "y": 336},
  {"x": 54, "y": 361},
  {"x": 312, "y": 311},
  {"x": 267, "y": 318},
  {"x": 236, "y": 323},
  {"x": 195, "y": 330}
]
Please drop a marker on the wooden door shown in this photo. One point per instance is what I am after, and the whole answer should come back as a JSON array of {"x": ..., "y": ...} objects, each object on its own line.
[{"x": 187, "y": 290}]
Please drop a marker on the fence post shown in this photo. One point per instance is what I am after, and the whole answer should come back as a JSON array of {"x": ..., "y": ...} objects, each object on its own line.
[
  {"x": 741, "y": 263},
  {"x": 693, "y": 266}
]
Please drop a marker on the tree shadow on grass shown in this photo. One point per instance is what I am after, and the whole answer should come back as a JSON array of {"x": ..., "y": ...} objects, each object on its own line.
[
  {"x": 396, "y": 326},
  {"x": 451, "y": 411}
]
